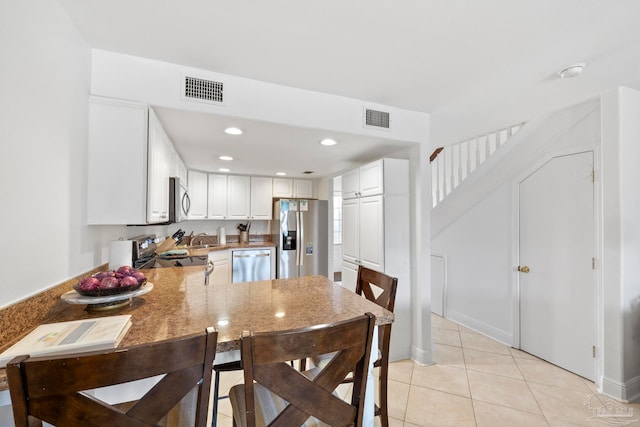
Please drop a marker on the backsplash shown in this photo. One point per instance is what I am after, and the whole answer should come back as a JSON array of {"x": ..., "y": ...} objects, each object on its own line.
[{"x": 21, "y": 317}]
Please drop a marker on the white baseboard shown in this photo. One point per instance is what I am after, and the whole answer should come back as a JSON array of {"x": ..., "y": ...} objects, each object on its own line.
[
  {"x": 505, "y": 338},
  {"x": 421, "y": 356},
  {"x": 628, "y": 391}
]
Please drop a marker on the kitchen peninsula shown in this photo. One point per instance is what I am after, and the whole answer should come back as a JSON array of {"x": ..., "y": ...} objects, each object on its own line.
[{"x": 181, "y": 304}]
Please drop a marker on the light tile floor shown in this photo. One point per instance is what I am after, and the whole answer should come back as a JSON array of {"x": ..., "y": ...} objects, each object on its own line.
[{"x": 477, "y": 381}]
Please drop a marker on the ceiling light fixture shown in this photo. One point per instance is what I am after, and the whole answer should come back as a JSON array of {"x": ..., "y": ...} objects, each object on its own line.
[
  {"x": 281, "y": 173},
  {"x": 233, "y": 131},
  {"x": 572, "y": 70},
  {"x": 328, "y": 142},
  {"x": 226, "y": 158},
  {"x": 224, "y": 170}
]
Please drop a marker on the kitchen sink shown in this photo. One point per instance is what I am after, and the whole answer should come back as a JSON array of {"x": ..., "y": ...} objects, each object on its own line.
[{"x": 212, "y": 245}]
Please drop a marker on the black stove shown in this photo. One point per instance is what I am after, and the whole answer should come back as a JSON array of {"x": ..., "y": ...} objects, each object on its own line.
[
  {"x": 144, "y": 248},
  {"x": 161, "y": 262}
]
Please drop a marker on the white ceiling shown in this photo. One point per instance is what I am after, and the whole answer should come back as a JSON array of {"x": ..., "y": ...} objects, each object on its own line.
[{"x": 475, "y": 65}]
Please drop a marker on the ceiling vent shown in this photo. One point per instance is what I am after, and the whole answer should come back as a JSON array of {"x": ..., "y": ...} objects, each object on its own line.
[
  {"x": 376, "y": 119},
  {"x": 197, "y": 89}
]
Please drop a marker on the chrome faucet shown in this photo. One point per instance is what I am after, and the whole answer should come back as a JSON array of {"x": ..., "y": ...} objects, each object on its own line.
[
  {"x": 192, "y": 242},
  {"x": 208, "y": 271}
]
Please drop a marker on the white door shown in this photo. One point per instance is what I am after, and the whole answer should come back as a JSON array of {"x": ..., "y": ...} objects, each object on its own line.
[{"x": 557, "y": 293}]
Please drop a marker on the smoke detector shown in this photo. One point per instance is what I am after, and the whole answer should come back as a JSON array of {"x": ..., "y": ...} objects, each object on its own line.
[{"x": 572, "y": 70}]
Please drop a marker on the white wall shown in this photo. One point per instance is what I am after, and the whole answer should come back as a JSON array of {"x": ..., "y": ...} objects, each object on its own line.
[
  {"x": 45, "y": 72},
  {"x": 158, "y": 83},
  {"x": 478, "y": 250},
  {"x": 621, "y": 243}
]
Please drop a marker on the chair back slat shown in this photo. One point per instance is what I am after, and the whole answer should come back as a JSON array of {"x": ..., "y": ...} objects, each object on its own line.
[
  {"x": 381, "y": 289},
  {"x": 265, "y": 359},
  {"x": 52, "y": 388},
  {"x": 387, "y": 284}
]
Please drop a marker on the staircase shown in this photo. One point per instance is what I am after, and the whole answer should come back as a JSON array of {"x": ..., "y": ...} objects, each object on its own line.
[{"x": 452, "y": 164}]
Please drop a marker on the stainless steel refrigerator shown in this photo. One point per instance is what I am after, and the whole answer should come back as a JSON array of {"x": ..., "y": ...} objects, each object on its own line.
[{"x": 300, "y": 229}]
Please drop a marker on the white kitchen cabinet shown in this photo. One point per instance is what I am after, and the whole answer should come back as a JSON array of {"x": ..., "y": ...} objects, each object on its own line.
[
  {"x": 217, "y": 200},
  {"x": 351, "y": 184},
  {"x": 295, "y": 188},
  {"x": 221, "y": 274},
  {"x": 198, "y": 193},
  {"x": 183, "y": 173},
  {"x": 351, "y": 230},
  {"x": 369, "y": 180},
  {"x": 375, "y": 234},
  {"x": 282, "y": 187},
  {"x": 238, "y": 197},
  {"x": 261, "y": 197},
  {"x": 363, "y": 232},
  {"x": 349, "y": 275},
  {"x": 159, "y": 170},
  {"x": 128, "y": 164},
  {"x": 302, "y": 188}
]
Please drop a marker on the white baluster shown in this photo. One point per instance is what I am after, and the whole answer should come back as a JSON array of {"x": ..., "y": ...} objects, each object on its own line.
[
  {"x": 459, "y": 164},
  {"x": 435, "y": 184}
]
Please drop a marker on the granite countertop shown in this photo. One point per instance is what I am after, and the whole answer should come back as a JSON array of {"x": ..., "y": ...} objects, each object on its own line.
[{"x": 180, "y": 304}]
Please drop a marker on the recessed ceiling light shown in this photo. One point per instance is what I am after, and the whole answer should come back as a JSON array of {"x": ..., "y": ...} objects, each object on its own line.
[
  {"x": 281, "y": 173},
  {"x": 227, "y": 158},
  {"x": 224, "y": 170},
  {"x": 572, "y": 70},
  {"x": 328, "y": 142},
  {"x": 233, "y": 131}
]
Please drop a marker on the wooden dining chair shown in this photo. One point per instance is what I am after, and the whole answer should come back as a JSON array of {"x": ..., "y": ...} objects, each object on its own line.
[
  {"x": 276, "y": 394},
  {"x": 54, "y": 389},
  {"x": 381, "y": 289}
]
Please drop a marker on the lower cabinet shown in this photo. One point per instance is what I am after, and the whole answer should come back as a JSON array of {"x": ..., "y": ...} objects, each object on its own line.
[
  {"x": 221, "y": 274},
  {"x": 349, "y": 275}
]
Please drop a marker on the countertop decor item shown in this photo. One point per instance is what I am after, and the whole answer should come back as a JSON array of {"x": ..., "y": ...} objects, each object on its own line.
[{"x": 106, "y": 302}]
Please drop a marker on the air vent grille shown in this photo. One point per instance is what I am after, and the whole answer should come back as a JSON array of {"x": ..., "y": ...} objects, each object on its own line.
[
  {"x": 203, "y": 90},
  {"x": 376, "y": 118}
]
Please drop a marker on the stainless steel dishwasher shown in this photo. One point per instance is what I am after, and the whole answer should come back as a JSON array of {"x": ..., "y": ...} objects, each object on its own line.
[{"x": 253, "y": 264}]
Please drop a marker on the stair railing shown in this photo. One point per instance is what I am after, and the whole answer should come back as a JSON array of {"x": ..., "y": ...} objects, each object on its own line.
[{"x": 452, "y": 164}]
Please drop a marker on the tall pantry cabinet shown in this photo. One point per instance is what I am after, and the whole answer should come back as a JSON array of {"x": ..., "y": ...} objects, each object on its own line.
[{"x": 375, "y": 234}]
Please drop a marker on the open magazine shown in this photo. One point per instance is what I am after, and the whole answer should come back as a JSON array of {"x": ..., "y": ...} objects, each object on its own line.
[{"x": 70, "y": 337}]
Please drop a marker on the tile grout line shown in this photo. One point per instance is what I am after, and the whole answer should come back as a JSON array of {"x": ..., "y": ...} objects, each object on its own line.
[{"x": 466, "y": 373}]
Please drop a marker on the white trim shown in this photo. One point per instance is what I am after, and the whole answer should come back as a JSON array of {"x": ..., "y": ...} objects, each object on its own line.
[
  {"x": 445, "y": 279},
  {"x": 502, "y": 336},
  {"x": 422, "y": 357},
  {"x": 629, "y": 391}
]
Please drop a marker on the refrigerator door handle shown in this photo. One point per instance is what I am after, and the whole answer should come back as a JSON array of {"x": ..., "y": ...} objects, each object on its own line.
[
  {"x": 298, "y": 237},
  {"x": 301, "y": 239}
]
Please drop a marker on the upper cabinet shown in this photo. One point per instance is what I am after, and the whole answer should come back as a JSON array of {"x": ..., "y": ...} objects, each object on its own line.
[
  {"x": 238, "y": 197},
  {"x": 130, "y": 160},
  {"x": 217, "y": 197},
  {"x": 161, "y": 164},
  {"x": 367, "y": 180},
  {"x": 292, "y": 188},
  {"x": 198, "y": 187},
  {"x": 261, "y": 197},
  {"x": 230, "y": 196}
]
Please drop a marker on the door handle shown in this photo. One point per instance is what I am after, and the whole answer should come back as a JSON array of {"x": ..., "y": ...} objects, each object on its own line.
[{"x": 523, "y": 269}]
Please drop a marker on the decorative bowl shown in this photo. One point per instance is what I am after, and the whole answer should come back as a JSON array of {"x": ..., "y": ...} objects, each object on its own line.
[{"x": 108, "y": 291}]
